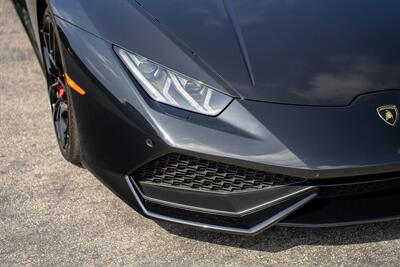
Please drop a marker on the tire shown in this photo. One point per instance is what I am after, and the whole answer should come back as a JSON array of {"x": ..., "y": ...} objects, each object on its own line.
[{"x": 64, "y": 116}]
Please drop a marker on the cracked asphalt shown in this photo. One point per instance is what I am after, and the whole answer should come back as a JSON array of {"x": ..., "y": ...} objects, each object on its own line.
[{"x": 55, "y": 214}]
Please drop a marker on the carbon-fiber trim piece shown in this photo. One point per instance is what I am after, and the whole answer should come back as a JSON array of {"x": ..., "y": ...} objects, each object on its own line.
[{"x": 262, "y": 225}]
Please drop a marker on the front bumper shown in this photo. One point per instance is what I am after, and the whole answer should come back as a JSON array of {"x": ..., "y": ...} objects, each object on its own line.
[
  {"x": 321, "y": 146},
  {"x": 229, "y": 198}
]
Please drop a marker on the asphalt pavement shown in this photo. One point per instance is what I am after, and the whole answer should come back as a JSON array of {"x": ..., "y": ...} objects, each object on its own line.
[{"x": 55, "y": 214}]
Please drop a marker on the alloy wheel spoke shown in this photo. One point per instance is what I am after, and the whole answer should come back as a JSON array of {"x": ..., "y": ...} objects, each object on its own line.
[{"x": 56, "y": 84}]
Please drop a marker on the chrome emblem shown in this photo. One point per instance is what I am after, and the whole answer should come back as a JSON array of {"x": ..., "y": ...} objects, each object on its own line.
[{"x": 389, "y": 114}]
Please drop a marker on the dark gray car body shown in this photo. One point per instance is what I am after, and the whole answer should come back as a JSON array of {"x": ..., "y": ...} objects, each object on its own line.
[{"x": 306, "y": 78}]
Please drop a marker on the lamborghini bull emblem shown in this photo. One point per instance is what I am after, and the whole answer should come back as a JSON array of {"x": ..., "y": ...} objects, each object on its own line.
[{"x": 388, "y": 114}]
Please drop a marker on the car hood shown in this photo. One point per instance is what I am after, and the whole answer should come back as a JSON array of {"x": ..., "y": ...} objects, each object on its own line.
[{"x": 314, "y": 52}]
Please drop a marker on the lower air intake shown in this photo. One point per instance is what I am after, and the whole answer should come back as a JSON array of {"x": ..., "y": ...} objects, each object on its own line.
[{"x": 181, "y": 171}]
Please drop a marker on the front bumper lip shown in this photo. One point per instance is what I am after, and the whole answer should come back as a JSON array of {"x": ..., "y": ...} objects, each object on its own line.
[
  {"x": 253, "y": 230},
  {"x": 303, "y": 209},
  {"x": 237, "y": 204},
  {"x": 337, "y": 224}
]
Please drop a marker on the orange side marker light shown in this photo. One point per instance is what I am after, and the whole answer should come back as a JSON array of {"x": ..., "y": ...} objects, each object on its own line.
[{"x": 74, "y": 86}]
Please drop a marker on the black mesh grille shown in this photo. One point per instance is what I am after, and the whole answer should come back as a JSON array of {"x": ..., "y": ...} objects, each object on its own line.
[
  {"x": 185, "y": 172},
  {"x": 194, "y": 173}
]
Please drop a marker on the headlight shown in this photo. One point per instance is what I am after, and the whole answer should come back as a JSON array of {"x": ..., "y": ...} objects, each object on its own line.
[{"x": 173, "y": 88}]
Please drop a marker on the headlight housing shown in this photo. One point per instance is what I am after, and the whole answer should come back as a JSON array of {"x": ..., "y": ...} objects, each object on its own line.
[{"x": 172, "y": 88}]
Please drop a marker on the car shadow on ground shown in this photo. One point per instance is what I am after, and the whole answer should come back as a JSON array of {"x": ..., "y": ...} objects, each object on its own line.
[{"x": 277, "y": 239}]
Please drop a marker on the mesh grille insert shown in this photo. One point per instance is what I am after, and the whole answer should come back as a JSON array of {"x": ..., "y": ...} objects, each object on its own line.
[{"x": 187, "y": 172}]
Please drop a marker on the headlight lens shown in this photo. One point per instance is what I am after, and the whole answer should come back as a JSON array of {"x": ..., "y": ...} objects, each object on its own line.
[{"x": 173, "y": 88}]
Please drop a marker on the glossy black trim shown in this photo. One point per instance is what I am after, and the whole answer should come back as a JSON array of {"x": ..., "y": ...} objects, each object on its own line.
[
  {"x": 228, "y": 204},
  {"x": 252, "y": 230},
  {"x": 348, "y": 210}
]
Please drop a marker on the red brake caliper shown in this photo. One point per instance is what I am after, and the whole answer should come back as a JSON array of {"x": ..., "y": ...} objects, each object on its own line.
[{"x": 60, "y": 90}]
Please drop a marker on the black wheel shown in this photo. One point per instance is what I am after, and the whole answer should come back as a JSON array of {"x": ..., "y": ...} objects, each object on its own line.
[{"x": 60, "y": 95}]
